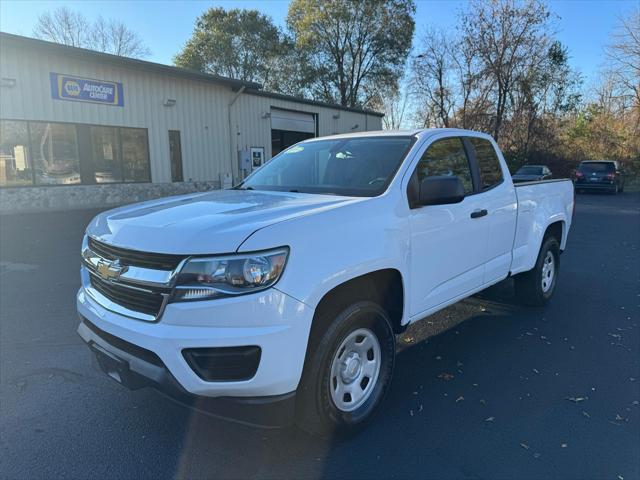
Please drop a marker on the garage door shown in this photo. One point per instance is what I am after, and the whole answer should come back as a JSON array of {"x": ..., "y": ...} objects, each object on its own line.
[
  {"x": 292, "y": 121},
  {"x": 289, "y": 128}
]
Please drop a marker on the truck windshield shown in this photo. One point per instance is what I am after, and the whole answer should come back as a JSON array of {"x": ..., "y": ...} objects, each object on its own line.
[{"x": 358, "y": 166}]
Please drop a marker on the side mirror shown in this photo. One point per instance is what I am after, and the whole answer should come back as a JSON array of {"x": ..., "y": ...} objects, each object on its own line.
[{"x": 440, "y": 190}]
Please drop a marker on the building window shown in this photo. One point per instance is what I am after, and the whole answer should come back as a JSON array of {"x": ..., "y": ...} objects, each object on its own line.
[
  {"x": 48, "y": 153},
  {"x": 135, "y": 155},
  {"x": 106, "y": 155},
  {"x": 54, "y": 150},
  {"x": 15, "y": 165},
  {"x": 175, "y": 154}
]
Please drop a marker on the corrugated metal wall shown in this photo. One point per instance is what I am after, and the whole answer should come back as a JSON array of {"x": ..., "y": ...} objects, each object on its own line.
[{"x": 200, "y": 112}]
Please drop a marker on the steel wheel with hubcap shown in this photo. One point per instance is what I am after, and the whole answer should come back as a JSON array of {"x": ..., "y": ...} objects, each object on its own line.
[
  {"x": 347, "y": 371},
  {"x": 548, "y": 271},
  {"x": 536, "y": 286},
  {"x": 354, "y": 370}
]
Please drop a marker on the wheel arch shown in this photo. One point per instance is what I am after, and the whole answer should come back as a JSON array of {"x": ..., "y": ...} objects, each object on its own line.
[
  {"x": 557, "y": 230},
  {"x": 384, "y": 286}
]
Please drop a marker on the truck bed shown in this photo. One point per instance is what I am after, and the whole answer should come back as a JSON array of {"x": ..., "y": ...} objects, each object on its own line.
[{"x": 540, "y": 203}]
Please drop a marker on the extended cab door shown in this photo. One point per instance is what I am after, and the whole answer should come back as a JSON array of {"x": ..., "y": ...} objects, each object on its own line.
[
  {"x": 497, "y": 196},
  {"x": 448, "y": 242}
]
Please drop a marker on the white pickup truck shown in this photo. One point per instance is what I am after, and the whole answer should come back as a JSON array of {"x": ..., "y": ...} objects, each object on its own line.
[{"x": 279, "y": 300}]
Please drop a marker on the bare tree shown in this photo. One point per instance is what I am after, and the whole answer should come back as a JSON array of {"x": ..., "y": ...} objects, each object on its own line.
[
  {"x": 110, "y": 36},
  {"x": 394, "y": 103},
  {"x": 623, "y": 54},
  {"x": 63, "y": 26},
  {"x": 431, "y": 72},
  {"x": 509, "y": 38}
]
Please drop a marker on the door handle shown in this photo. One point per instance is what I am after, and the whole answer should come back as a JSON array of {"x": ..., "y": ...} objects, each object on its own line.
[{"x": 479, "y": 213}]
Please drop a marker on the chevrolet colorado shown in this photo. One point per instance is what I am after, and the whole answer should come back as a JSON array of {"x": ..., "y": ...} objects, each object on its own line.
[{"x": 278, "y": 301}]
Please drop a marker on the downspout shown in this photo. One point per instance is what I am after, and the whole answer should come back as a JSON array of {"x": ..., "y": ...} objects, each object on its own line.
[{"x": 233, "y": 100}]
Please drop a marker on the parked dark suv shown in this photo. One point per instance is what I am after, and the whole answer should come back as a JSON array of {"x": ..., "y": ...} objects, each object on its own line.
[{"x": 599, "y": 175}]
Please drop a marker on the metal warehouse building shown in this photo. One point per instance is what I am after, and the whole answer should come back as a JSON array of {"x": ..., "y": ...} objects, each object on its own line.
[{"x": 84, "y": 128}]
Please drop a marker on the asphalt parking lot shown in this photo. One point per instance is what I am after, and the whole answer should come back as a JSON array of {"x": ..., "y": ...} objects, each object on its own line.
[{"x": 529, "y": 393}]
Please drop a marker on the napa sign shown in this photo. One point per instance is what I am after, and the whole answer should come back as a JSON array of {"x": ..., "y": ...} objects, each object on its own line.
[{"x": 78, "y": 89}]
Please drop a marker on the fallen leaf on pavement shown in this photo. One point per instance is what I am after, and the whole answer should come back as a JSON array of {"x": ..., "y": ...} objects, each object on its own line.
[
  {"x": 446, "y": 376},
  {"x": 459, "y": 399},
  {"x": 586, "y": 414},
  {"x": 576, "y": 399},
  {"x": 564, "y": 445},
  {"x": 525, "y": 446},
  {"x": 490, "y": 419}
]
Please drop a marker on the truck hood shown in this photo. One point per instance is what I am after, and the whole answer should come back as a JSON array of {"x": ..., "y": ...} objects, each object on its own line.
[{"x": 203, "y": 223}]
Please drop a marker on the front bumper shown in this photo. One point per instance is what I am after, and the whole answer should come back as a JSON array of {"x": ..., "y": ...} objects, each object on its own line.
[
  {"x": 271, "y": 320},
  {"x": 135, "y": 367}
]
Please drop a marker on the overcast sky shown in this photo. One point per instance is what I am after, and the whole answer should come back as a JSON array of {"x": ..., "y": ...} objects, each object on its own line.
[{"x": 165, "y": 25}]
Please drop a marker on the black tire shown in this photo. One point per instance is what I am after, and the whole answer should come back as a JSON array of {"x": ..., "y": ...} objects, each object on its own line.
[
  {"x": 529, "y": 285},
  {"x": 316, "y": 411}
]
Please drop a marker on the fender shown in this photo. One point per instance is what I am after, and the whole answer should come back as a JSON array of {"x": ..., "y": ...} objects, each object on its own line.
[{"x": 377, "y": 240}]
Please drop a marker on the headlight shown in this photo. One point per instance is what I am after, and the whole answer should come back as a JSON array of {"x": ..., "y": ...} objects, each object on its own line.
[{"x": 214, "y": 277}]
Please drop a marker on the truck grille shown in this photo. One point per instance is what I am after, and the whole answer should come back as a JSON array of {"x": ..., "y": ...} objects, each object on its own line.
[
  {"x": 148, "y": 302},
  {"x": 157, "y": 261},
  {"x": 137, "y": 284}
]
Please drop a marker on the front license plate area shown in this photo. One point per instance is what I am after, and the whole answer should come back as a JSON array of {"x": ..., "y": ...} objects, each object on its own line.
[{"x": 116, "y": 368}]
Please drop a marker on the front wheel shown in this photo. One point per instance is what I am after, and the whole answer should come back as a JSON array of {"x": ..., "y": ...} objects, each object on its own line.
[
  {"x": 348, "y": 370},
  {"x": 536, "y": 286}
]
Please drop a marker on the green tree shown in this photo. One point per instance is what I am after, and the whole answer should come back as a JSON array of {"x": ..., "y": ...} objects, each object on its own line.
[
  {"x": 237, "y": 43},
  {"x": 351, "y": 49}
]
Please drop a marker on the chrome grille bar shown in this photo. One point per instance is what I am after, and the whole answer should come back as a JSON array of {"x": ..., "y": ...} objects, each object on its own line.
[{"x": 122, "y": 285}]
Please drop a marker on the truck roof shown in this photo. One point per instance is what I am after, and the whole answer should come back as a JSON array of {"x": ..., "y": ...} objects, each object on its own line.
[{"x": 399, "y": 133}]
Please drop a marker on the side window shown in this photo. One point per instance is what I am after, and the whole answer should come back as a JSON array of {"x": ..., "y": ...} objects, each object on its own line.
[
  {"x": 446, "y": 157},
  {"x": 488, "y": 163}
]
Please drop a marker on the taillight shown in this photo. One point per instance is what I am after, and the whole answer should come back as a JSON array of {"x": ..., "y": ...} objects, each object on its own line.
[
  {"x": 579, "y": 175},
  {"x": 611, "y": 176}
]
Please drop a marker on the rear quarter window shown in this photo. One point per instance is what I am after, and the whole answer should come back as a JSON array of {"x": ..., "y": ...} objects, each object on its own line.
[
  {"x": 597, "y": 167},
  {"x": 488, "y": 163}
]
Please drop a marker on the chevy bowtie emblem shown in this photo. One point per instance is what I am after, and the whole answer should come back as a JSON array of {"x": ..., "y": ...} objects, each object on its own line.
[{"x": 110, "y": 270}]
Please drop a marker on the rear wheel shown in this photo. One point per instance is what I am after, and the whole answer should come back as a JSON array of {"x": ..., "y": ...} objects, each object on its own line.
[
  {"x": 348, "y": 370},
  {"x": 536, "y": 286}
]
